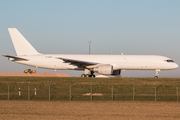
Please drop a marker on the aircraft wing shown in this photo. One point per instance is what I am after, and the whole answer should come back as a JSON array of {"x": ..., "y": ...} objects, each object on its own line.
[
  {"x": 78, "y": 63},
  {"x": 15, "y": 58}
]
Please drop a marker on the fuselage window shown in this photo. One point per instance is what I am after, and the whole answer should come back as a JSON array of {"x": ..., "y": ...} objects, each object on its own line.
[{"x": 168, "y": 60}]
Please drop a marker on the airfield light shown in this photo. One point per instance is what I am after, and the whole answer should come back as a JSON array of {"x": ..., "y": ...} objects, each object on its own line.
[{"x": 19, "y": 91}]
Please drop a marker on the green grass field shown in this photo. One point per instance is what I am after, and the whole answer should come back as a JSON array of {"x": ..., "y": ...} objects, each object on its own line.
[{"x": 144, "y": 88}]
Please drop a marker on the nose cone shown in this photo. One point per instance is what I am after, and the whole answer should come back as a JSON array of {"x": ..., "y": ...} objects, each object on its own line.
[{"x": 175, "y": 65}]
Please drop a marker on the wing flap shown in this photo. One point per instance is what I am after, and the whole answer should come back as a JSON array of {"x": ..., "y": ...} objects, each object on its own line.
[{"x": 78, "y": 63}]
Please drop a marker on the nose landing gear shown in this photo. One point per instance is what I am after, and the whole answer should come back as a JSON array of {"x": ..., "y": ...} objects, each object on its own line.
[{"x": 156, "y": 75}]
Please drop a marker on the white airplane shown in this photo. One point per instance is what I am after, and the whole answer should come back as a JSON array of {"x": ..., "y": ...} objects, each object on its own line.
[{"x": 102, "y": 64}]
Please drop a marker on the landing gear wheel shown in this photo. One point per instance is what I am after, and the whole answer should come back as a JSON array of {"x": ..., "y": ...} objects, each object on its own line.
[
  {"x": 93, "y": 76},
  {"x": 90, "y": 75},
  {"x": 83, "y": 75},
  {"x": 155, "y": 76},
  {"x": 87, "y": 75}
]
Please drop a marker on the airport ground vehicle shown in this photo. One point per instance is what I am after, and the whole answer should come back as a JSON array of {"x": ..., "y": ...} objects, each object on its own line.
[{"x": 29, "y": 71}]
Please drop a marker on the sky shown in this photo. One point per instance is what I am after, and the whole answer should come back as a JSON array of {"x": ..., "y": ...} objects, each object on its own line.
[{"x": 130, "y": 27}]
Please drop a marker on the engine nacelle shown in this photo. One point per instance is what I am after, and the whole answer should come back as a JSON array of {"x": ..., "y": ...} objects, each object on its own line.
[
  {"x": 104, "y": 69},
  {"x": 116, "y": 72}
]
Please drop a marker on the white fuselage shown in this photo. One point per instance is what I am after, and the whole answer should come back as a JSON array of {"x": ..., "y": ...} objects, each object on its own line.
[
  {"x": 129, "y": 62},
  {"x": 102, "y": 64}
]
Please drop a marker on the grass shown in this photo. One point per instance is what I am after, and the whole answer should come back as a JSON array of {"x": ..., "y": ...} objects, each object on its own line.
[{"x": 166, "y": 88}]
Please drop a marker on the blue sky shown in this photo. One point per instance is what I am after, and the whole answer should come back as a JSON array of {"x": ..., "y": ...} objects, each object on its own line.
[{"x": 64, "y": 26}]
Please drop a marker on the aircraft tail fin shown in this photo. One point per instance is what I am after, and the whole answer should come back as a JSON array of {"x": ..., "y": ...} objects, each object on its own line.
[{"x": 21, "y": 45}]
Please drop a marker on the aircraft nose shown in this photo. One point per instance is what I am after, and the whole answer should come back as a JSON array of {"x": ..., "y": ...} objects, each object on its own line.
[{"x": 176, "y": 65}]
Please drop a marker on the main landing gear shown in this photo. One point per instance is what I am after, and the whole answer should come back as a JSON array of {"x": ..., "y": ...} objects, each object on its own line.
[
  {"x": 156, "y": 75},
  {"x": 88, "y": 75}
]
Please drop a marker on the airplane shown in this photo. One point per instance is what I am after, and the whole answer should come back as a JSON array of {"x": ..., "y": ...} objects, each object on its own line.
[{"x": 102, "y": 64}]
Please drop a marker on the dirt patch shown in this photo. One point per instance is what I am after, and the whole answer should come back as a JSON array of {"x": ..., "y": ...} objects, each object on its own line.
[
  {"x": 98, "y": 110},
  {"x": 95, "y": 94},
  {"x": 36, "y": 74}
]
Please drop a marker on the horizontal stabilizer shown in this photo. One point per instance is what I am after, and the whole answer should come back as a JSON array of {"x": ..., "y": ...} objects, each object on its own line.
[{"x": 15, "y": 58}]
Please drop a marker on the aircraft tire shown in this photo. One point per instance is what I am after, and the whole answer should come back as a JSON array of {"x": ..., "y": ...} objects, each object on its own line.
[
  {"x": 83, "y": 75},
  {"x": 87, "y": 75},
  {"x": 155, "y": 76}
]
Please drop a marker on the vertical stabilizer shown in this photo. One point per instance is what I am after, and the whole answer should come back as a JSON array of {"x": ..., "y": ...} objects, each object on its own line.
[{"x": 21, "y": 45}]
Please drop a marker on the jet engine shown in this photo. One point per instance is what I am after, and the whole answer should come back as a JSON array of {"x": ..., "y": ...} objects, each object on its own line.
[
  {"x": 116, "y": 72},
  {"x": 104, "y": 69}
]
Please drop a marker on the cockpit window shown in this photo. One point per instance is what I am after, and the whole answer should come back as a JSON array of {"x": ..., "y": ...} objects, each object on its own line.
[{"x": 168, "y": 60}]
